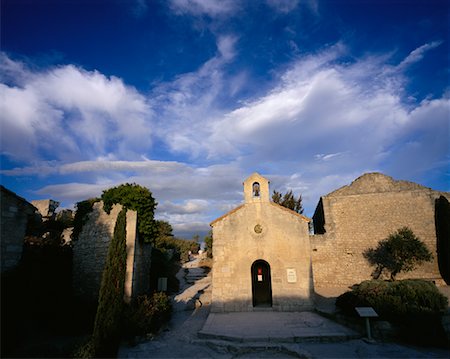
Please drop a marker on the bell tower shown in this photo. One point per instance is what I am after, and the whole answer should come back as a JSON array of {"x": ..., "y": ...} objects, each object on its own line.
[{"x": 256, "y": 189}]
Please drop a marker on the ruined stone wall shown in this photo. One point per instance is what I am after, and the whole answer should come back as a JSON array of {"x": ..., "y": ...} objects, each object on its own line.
[
  {"x": 358, "y": 216},
  {"x": 260, "y": 229},
  {"x": 15, "y": 212},
  {"x": 91, "y": 249},
  {"x": 137, "y": 277},
  {"x": 46, "y": 208}
]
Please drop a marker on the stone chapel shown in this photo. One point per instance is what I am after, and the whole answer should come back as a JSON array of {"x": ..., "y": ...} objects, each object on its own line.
[{"x": 262, "y": 255}]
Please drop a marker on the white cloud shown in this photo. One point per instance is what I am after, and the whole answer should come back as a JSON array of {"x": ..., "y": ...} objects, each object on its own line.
[
  {"x": 53, "y": 167},
  {"x": 189, "y": 229},
  {"x": 187, "y": 105},
  {"x": 327, "y": 157},
  {"x": 188, "y": 207},
  {"x": 322, "y": 123},
  {"x": 212, "y": 8},
  {"x": 418, "y": 54},
  {"x": 286, "y": 6},
  {"x": 139, "y": 8},
  {"x": 283, "y": 6},
  {"x": 67, "y": 112},
  {"x": 185, "y": 194}
]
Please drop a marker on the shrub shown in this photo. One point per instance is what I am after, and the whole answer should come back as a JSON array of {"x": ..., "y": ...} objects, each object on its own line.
[
  {"x": 414, "y": 305},
  {"x": 84, "y": 350},
  {"x": 147, "y": 314},
  {"x": 209, "y": 244},
  {"x": 395, "y": 300},
  {"x": 401, "y": 251},
  {"x": 106, "y": 335}
]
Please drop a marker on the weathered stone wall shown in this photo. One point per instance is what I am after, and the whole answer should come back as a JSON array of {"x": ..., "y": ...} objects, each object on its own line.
[
  {"x": 91, "y": 249},
  {"x": 46, "y": 208},
  {"x": 137, "y": 277},
  {"x": 283, "y": 242},
  {"x": 358, "y": 216},
  {"x": 15, "y": 212}
]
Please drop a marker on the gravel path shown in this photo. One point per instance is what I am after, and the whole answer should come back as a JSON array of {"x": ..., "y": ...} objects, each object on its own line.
[{"x": 191, "y": 308}]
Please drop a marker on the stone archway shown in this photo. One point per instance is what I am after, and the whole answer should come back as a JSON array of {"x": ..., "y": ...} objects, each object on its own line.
[{"x": 261, "y": 284}]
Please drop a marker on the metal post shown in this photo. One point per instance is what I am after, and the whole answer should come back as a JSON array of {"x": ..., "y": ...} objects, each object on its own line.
[{"x": 369, "y": 336}]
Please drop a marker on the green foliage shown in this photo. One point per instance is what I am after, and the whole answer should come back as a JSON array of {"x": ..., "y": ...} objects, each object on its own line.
[
  {"x": 81, "y": 215},
  {"x": 166, "y": 241},
  {"x": 163, "y": 234},
  {"x": 84, "y": 350},
  {"x": 395, "y": 300},
  {"x": 209, "y": 244},
  {"x": 136, "y": 198},
  {"x": 147, "y": 314},
  {"x": 414, "y": 305},
  {"x": 401, "y": 251},
  {"x": 288, "y": 200},
  {"x": 106, "y": 335}
]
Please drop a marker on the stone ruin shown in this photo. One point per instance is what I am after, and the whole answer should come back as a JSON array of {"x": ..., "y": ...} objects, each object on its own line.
[{"x": 91, "y": 249}]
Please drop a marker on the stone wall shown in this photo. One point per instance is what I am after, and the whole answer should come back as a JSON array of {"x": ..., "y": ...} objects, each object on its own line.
[
  {"x": 15, "y": 213},
  {"x": 91, "y": 249},
  {"x": 261, "y": 230},
  {"x": 46, "y": 208},
  {"x": 137, "y": 277},
  {"x": 356, "y": 217}
]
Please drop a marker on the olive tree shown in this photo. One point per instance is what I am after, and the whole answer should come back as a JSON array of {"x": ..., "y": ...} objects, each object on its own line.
[{"x": 401, "y": 251}]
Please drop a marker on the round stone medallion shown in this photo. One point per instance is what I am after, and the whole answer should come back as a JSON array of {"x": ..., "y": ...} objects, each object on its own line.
[{"x": 258, "y": 229}]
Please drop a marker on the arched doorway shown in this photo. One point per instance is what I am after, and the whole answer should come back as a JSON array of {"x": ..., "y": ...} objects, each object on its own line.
[{"x": 261, "y": 284}]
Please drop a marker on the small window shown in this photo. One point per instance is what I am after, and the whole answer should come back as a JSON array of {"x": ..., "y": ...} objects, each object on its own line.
[{"x": 256, "y": 189}]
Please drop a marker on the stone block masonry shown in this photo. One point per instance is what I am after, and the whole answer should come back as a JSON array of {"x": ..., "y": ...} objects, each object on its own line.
[
  {"x": 15, "y": 213},
  {"x": 91, "y": 249},
  {"x": 356, "y": 217},
  {"x": 255, "y": 233}
]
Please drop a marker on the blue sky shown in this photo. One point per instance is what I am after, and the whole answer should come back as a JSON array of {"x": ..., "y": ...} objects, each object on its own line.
[{"x": 189, "y": 97}]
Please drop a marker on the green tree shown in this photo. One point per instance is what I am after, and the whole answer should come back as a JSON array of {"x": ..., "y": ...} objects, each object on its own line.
[
  {"x": 401, "y": 251},
  {"x": 107, "y": 332},
  {"x": 209, "y": 243},
  {"x": 288, "y": 200},
  {"x": 136, "y": 198},
  {"x": 164, "y": 234}
]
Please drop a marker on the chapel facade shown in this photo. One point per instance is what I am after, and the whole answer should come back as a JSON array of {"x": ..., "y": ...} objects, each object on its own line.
[{"x": 262, "y": 255}]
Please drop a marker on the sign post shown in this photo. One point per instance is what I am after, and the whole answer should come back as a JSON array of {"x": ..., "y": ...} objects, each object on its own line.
[{"x": 366, "y": 313}]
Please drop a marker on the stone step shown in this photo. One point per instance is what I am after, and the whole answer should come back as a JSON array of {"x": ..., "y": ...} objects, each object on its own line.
[
  {"x": 316, "y": 338},
  {"x": 223, "y": 346},
  {"x": 274, "y": 327},
  {"x": 195, "y": 276}
]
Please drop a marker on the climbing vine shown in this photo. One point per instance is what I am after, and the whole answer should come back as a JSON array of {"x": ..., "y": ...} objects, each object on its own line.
[
  {"x": 136, "y": 198},
  {"x": 81, "y": 215}
]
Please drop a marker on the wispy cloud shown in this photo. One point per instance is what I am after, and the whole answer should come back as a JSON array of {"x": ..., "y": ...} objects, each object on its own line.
[
  {"x": 322, "y": 123},
  {"x": 283, "y": 6},
  {"x": 212, "y": 8},
  {"x": 48, "y": 168},
  {"x": 418, "y": 54},
  {"x": 139, "y": 8},
  {"x": 286, "y": 6}
]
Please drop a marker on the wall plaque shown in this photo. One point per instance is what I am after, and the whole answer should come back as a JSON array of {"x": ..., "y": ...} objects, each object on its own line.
[{"x": 291, "y": 275}]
